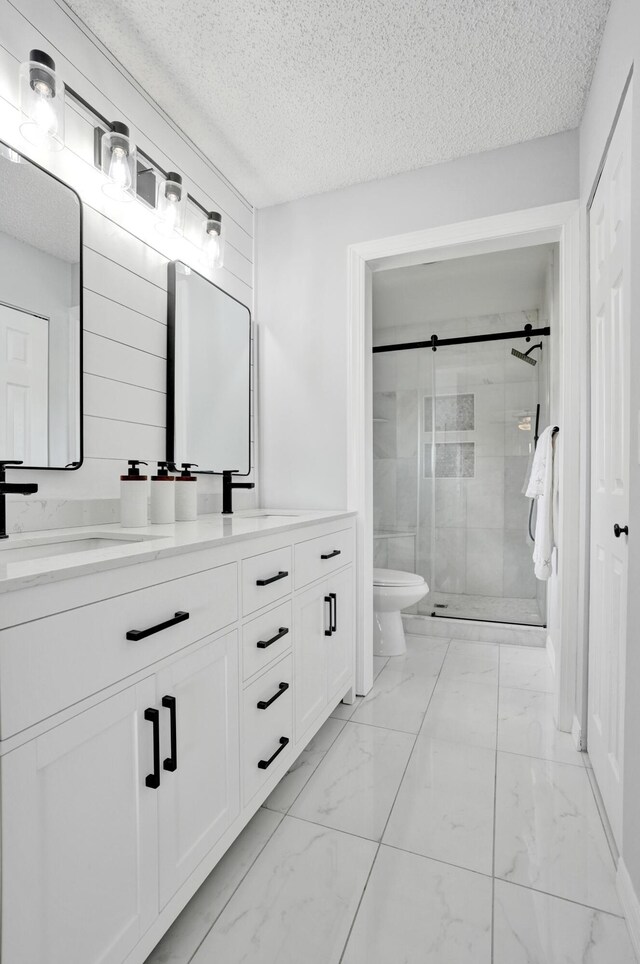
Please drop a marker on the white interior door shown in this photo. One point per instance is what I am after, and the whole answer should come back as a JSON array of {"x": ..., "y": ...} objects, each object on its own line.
[
  {"x": 24, "y": 386},
  {"x": 610, "y": 320}
]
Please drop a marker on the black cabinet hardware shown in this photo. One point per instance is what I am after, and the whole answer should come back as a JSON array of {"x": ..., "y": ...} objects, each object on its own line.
[
  {"x": 263, "y": 704},
  {"x": 334, "y": 618},
  {"x": 263, "y": 764},
  {"x": 331, "y": 555},
  {"x": 152, "y": 780},
  {"x": 329, "y": 631},
  {"x": 265, "y": 643},
  {"x": 267, "y": 582},
  {"x": 171, "y": 762},
  {"x": 618, "y": 530},
  {"x": 143, "y": 633}
]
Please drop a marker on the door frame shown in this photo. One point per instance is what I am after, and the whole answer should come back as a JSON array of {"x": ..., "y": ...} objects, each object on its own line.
[{"x": 558, "y": 223}]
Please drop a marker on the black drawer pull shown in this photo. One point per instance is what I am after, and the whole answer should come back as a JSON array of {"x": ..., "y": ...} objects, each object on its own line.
[
  {"x": 267, "y": 582},
  {"x": 619, "y": 530},
  {"x": 331, "y": 555},
  {"x": 264, "y": 643},
  {"x": 143, "y": 633},
  {"x": 263, "y": 704},
  {"x": 263, "y": 764},
  {"x": 334, "y": 622},
  {"x": 171, "y": 762},
  {"x": 329, "y": 631},
  {"x": 152, "y": 780}
]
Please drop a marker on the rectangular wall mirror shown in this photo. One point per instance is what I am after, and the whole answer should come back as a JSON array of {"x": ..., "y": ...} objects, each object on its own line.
[
  {"x": 208, "y": 375},
  {"x": 40, "y": 316}
]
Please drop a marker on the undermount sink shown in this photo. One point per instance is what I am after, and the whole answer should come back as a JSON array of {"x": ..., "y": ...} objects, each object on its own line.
[{"x": 43, "y": 548}]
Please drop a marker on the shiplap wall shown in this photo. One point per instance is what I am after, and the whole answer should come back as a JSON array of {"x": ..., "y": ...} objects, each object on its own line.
[{"x": 125, "y": 261}]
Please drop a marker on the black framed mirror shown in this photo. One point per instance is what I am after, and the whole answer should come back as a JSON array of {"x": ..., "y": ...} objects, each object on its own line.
[
  {"x": 40, "y": 316},
  {"x": 208, "y": 375}
]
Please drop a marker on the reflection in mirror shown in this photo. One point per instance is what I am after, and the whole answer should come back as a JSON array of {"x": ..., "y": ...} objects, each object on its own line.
[
  {"x": 208, "y": 383},
  {"x": 40, "y": 316}
]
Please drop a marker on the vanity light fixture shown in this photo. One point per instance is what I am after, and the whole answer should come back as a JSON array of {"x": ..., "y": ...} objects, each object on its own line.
[
  {"x": 118, "y": 163},
  {"x": 171, "y": 205},
  {"x": 41, "y": 102},
  {"x": 214, "y": 239}
]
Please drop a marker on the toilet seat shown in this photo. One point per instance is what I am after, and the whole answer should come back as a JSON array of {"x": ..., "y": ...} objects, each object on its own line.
[{"x": 394, "y": 577}]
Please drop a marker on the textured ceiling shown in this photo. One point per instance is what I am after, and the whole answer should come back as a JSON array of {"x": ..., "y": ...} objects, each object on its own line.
[
  {"x": 295, "y": 97},
  {"x": 37, "y": 209}
]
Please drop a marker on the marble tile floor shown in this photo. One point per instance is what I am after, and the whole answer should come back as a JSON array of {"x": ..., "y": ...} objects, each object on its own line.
[
  {"x": 503, "y": 609},
  {"x": 441, "y": 820}
]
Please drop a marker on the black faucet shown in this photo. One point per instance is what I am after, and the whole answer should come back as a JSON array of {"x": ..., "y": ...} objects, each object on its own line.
[
  {"x": 227, "y": 490},
  {"x": 23, "y": 488}
]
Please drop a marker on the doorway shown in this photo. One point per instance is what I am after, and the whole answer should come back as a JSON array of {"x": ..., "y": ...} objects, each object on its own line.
[
  {"x": 462, "y": 389},
  {"x": 553, "y": 224}
]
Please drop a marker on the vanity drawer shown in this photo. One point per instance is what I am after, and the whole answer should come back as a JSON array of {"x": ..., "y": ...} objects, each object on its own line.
[
  {"x": 267, "y": 726},
  {"x": 318, "y": 557},
  {"x": 265, "y": 578},
  {"x": 52, "y": 663},
  {"x": 266, "y": 638}
]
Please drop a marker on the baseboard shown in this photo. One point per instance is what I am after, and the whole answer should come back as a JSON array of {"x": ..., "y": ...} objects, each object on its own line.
[
  {"x": 551, "y": 653},
  {"x": 630, "y": 904},
  {"x": 576, "y": 734}
]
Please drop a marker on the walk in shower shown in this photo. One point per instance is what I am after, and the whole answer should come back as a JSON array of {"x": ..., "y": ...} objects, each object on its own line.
[{"x": 455, "y": 415}]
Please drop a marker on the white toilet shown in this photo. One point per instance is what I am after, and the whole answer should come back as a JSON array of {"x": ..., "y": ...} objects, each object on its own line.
[{"x": 393, "y": 591}]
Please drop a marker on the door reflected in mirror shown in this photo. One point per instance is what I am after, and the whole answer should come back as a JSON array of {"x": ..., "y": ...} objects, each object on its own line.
[
  {"x": 209, "y": 375},
  {"x": 40, "y": 316}
]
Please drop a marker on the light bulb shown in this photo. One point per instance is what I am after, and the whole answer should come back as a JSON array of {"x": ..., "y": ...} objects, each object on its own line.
[
  {"x": 41, "y": 102},
  {"x": 171, "y": 206},
  {"x": 118, "y": 163},
  {"x": 43, "y": 112},
  {"x": 213, "y": 241},
  {"x": 119, "y": 169},
  {"x": 213, "y": 247}
]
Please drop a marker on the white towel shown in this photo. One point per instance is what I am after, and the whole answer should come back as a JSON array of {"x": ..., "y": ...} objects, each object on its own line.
[{"x": 541, "y": 488}]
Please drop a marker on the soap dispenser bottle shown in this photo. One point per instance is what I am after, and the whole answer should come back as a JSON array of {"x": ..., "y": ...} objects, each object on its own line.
[
  {"x": 133, "y": 497},
  {"x": 163, "y": 508},
  {"x": 186, "y": 494}
]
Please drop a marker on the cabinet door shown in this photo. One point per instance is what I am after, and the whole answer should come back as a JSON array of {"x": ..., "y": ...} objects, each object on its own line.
[
  {"x": 79, "y": 862},
  {"x": 340, "y": 645},
  {"x": 310, "y": 620},
  {"x": 200, "y": 798}
]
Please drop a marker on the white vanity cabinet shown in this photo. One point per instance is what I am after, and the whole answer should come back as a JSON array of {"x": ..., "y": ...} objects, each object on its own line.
[
  {"x": 80, "y": 837},
  {"x": 137, "y": 743}
]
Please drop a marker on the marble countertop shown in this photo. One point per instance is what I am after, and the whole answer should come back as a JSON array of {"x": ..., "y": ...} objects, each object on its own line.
[{"x": 151, "y": 542}]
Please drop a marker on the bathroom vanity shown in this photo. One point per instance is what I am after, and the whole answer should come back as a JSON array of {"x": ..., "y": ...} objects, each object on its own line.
[{"x": 152, "y": 694}]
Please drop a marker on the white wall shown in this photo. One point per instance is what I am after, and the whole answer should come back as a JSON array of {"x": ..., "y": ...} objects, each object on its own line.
[
  {"x": 301, "y": 294},
  {"x": 620, "y": 48},
  {"x": 124, "y": 260}
]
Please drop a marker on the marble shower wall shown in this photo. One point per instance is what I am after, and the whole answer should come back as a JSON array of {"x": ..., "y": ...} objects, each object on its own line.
[{"x": 484, "y": 415}]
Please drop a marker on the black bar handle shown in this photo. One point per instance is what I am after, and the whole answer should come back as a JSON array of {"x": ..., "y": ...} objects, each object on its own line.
[
  {"x": 334, "y": 623},
  {"x": 331, "y": 555},
  {"x": 267, "y": 582},
  {"x": 171, "y": 762},
  {"x": 143, "y": 633},
  {"x": 263, "y": 704},
  {"x": 152, "y": 780},
  {"x": 329, "y": 631},
  {"x": 618, "y": 530},
  {"x": 264, "y": 764},
  {"x": 265, "y": 643}
]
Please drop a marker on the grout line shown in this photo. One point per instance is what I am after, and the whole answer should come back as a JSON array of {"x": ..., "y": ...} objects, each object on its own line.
[
  {"x": 567, "y": 900},
  {"x": 237, "y": 887},
  {"x": 391, "y": 808}
]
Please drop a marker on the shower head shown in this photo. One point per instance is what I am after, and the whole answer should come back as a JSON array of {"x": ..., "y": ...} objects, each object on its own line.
[{"x": 525, "y": 355}]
